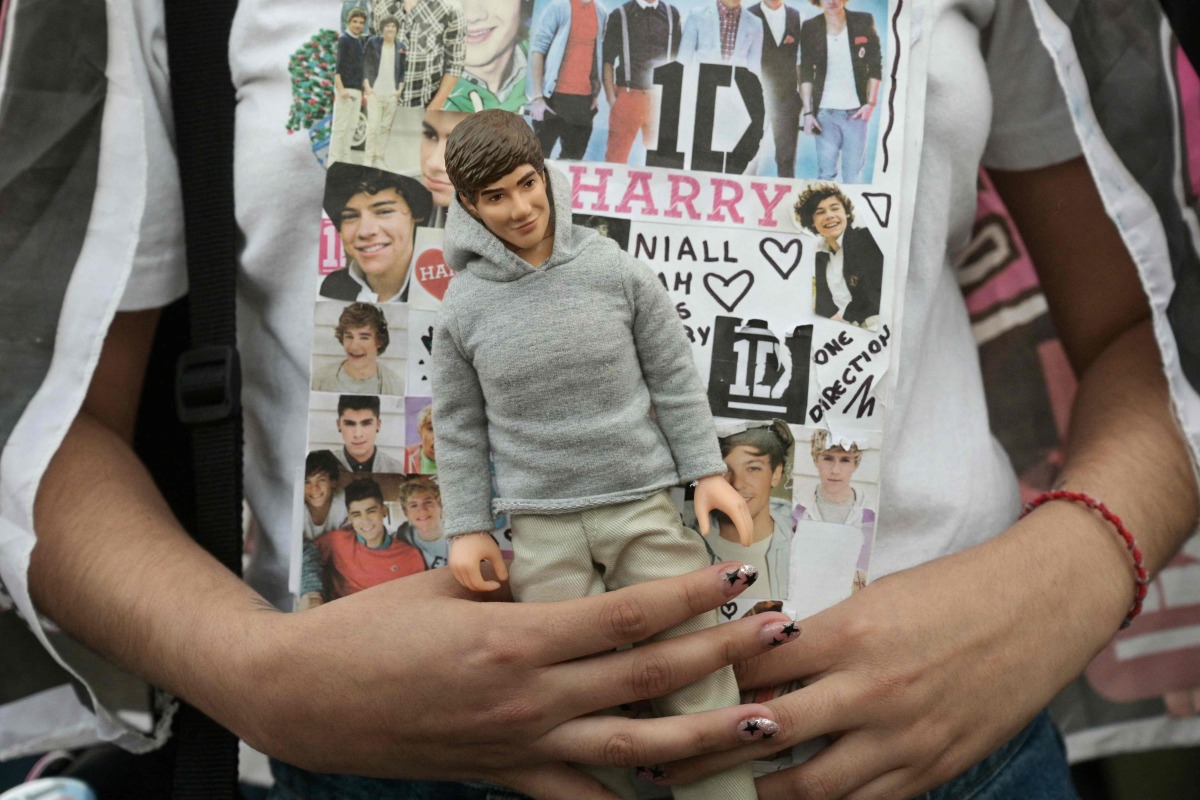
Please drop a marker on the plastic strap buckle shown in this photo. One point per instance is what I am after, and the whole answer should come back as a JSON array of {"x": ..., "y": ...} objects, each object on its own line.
[{"x": 208, "y": 384}]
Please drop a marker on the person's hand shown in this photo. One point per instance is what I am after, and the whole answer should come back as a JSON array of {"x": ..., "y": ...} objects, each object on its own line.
[
  {"x": 925, "y": 672},
  {"x": 538, "y": 109},
  {"x": 714, "y": 493},
  {"x": 344, "y": 94},
  {"x": 863, "y": 113},
  {"x": 811, "y": 126},
  {"x": 467, "y": 552},
  {"x": 415, "y": 678},
  {"x": 611, "y": 96}
]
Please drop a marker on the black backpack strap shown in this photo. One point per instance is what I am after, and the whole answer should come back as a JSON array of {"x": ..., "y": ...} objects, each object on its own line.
[{"x": 208, "y": 377}]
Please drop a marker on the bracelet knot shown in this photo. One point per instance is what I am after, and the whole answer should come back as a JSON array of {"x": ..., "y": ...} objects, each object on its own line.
[{"x": 1141, "y": 577}]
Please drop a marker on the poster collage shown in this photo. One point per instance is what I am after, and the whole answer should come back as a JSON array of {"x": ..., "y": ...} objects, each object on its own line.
[{"x": 750, "y": 153}]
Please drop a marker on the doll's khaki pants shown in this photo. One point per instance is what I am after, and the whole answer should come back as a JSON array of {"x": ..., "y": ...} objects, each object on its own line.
[{"x": 566, "y": 556}]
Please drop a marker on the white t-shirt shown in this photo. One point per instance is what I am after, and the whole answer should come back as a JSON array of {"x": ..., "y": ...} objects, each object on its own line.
[
  {"x": 839, "y": 91},
  {"x": 958, "y": 497},
  {"x": 776, "y": 19},
  {"x": 835, "y": 276}
]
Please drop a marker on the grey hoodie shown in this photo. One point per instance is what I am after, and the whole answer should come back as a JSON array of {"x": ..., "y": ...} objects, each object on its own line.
[{"x": 576, "y": 377}]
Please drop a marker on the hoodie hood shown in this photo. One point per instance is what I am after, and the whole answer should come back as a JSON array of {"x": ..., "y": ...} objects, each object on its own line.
[{"x": 471, "y": 247}]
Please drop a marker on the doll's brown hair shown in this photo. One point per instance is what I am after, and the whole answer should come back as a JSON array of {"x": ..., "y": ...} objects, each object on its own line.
[{"x": 486, "y": 146}]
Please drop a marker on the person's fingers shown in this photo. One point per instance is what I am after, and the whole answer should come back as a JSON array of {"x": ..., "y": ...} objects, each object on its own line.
[
  {"x": 570, "y": 629},
  {"x": 841, "y": 771},
  {"x": 554, "y": 781},
  {"x": 827, "y": 706},
  {"x": 654, "y": 670},
  {"x": 814, "y": 655},
  {"x": 623, "y": 742}
]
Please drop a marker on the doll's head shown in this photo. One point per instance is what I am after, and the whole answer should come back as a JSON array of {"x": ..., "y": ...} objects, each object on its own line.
[
  {"x": 495, "y": 163},
  {"x": 487, "y": 146}
]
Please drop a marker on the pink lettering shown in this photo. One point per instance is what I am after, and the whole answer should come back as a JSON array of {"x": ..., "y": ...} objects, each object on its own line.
[
  {"x": 679, "y": 197},
  {"x": 768, "y": 220},
  {"x": 600, "y": 188},
  {"x": 720, "y": 200},
  {"x": 639, "y": 190}
]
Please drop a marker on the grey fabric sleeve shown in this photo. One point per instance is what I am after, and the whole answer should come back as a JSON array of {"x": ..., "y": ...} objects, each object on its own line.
[
  {"x": 666, "y": 357},
  {"x": 460, "y": 425},
  {"x": 1031, "y": 126}
]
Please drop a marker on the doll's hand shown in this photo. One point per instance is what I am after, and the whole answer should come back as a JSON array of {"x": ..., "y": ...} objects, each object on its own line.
[
  {"x": 467, "y": 552},
  {"x": 714, "y": 493}
]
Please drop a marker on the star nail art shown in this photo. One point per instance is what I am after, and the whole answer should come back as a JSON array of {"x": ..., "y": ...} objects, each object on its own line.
[
  {"x": 757, "y": 728},
  {"x": 652, "y": 773},
  {"x": 746, "y": 575},
  {"x": 778, "y": 633}
]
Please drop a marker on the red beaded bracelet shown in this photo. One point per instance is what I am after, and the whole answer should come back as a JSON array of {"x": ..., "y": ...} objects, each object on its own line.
[{"x": 1141, "y": 579}]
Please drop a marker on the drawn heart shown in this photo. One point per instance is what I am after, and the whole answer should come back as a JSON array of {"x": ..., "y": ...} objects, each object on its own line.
[
  {"x": 728, "y": 610},
  {"x": 776, "y": 253},
  {"x": 721, "y": 287}
]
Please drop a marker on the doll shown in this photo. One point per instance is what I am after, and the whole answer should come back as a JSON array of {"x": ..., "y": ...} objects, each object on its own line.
[{"x": 560, "y": 360}]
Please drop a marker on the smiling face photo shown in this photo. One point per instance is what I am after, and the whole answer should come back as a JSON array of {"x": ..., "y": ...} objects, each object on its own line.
[{"x": 377, "y": 232}]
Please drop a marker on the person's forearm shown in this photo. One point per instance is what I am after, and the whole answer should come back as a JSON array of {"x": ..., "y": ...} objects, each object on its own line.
[
  {"x": 806, "y": 98},
  {"x": 537, "y": 67},
  {"x": 1126, "y": 450},
  {"x": 872, "y": 91},
  {"x": 443, "y": 92},
  {"x": 143, "y": 594}
]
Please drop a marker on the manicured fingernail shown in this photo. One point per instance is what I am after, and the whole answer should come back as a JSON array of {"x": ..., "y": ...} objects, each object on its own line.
[
  {"x": 737, "y": 579},
  {"x": 778, "y": 633},
  {"x": 652, "y": 773},
  {"x": 757, "y": 728}
]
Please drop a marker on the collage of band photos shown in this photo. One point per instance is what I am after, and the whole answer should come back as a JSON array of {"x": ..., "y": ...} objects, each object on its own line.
[{"x": 774, "y": 231}]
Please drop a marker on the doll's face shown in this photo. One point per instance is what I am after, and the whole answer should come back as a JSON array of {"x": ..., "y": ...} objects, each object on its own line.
[
  {"x": 516, "y": 208},
  {"x": 361, "y": 346},
  {"x": 749, "y": 472}
]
